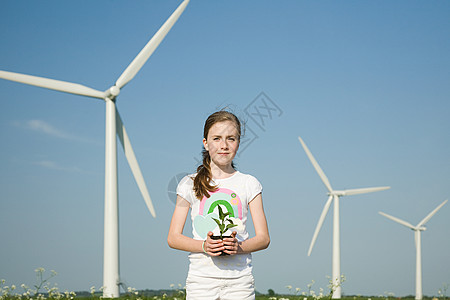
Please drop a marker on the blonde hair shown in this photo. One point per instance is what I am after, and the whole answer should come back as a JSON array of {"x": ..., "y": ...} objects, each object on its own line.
[{"x": 202, "y": 181}]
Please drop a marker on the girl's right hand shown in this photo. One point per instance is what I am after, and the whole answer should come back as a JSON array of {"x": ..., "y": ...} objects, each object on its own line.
[{"x": 213, "y": 247}]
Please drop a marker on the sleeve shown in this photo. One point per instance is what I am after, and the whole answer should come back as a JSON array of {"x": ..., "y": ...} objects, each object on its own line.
[
  {"x": 185, "y": 187},
  {"x": 254, "y": 188}
]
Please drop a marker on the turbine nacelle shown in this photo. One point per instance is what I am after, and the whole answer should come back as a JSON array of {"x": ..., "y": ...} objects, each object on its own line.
[
  {"x": 351, "y": 192},
  {"x": 337, "y": 193},
  {"x": 422, "y": 228},
  {"x": 112, "y": 92}
]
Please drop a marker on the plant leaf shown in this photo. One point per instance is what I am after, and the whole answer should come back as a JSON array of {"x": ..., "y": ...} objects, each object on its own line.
[
  {"x": 230, "y": 226},
  {"x": 221, "y": 215},
  {"x": 217, "y": 221}
]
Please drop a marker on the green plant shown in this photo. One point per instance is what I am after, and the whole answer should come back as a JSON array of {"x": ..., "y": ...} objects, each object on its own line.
[
  {"x": 41, "y": 280},
  {"x": 443, "y": 291},
  {"x": 50, "y": 293},
  {"x": 221, "y": 222},
  {"x": 333, "y": 285}
]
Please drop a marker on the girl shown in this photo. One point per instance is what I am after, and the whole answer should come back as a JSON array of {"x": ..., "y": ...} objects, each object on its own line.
[{"x": 212, "y": 274}]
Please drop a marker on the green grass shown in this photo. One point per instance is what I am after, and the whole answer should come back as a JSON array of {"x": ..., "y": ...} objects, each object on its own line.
[
  {"x": 44, "y": 290},
  {"x": 177, "y": 295}
]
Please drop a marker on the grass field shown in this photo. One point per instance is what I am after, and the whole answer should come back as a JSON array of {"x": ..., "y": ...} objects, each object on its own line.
[
  {"x": 45, "y": 290},
  {"x": 180, "y": 296}
]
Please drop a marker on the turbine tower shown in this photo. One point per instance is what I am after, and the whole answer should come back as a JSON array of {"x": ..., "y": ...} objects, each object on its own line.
[
  {"x": 417, "y": 229},
  {"x": 334, "y": 195},
  {"x": 113, "y": 126}
]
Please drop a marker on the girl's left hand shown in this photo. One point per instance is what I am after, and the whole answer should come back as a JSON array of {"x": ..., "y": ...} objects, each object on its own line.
[{"x": 231, "y": 244}]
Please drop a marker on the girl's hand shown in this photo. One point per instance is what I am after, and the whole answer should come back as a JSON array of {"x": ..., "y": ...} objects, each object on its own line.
[
  {"x": 213, "y": 247},
  {"x": 231, "y": 244}
]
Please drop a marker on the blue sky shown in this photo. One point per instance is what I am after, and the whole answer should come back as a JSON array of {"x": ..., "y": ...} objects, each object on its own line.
[{"x": 365, "y": 83}]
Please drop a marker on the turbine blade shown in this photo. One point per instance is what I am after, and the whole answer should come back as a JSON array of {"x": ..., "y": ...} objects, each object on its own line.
[
  {"x": 132, "y": 161},
  {"x": 319, "y": 224},
  {"x": 62, "y": 86},
  {"x": 316, "y": 166},
  {"x": 151, "y": 46},
  {"x": 427, "y": 218},
  {"x": 365, "y": 190},
  {"x": 398, "y": 220}
]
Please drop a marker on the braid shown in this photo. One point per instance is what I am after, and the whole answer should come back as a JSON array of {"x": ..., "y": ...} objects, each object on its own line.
[{"x": 202, "y": 185}]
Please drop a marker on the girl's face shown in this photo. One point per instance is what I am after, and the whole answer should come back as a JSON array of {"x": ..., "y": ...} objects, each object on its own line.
[{"x": 222, "y": 143}]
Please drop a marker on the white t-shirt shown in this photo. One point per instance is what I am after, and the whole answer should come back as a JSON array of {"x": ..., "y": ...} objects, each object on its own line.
[{"x": 233, "y": 195}]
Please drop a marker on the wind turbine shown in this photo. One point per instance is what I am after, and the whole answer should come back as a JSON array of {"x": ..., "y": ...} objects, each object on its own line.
[
  {"x": 114, "y": 125},
  {"x": 417, "y": 229},
  {"x": 333, "y": 195}
]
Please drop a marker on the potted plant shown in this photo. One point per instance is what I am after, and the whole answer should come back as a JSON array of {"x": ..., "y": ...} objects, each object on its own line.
[{"x": 223, "y": 226}]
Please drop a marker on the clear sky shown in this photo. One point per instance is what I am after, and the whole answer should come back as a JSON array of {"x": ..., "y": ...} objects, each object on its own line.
[{"x": 364, "y": 83}]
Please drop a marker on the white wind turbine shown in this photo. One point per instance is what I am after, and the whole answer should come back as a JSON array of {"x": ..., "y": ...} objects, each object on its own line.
[
  {"x": 417, "y": 229},
  {"x": 333, "y": 195},
  {"x": 114, "y": 125}
]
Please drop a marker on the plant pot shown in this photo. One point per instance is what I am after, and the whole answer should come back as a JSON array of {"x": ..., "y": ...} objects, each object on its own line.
[{"x": 217, "y": 237}]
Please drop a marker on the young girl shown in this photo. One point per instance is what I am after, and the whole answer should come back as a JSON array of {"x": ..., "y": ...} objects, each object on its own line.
[{"x": 213, "y": 275}]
